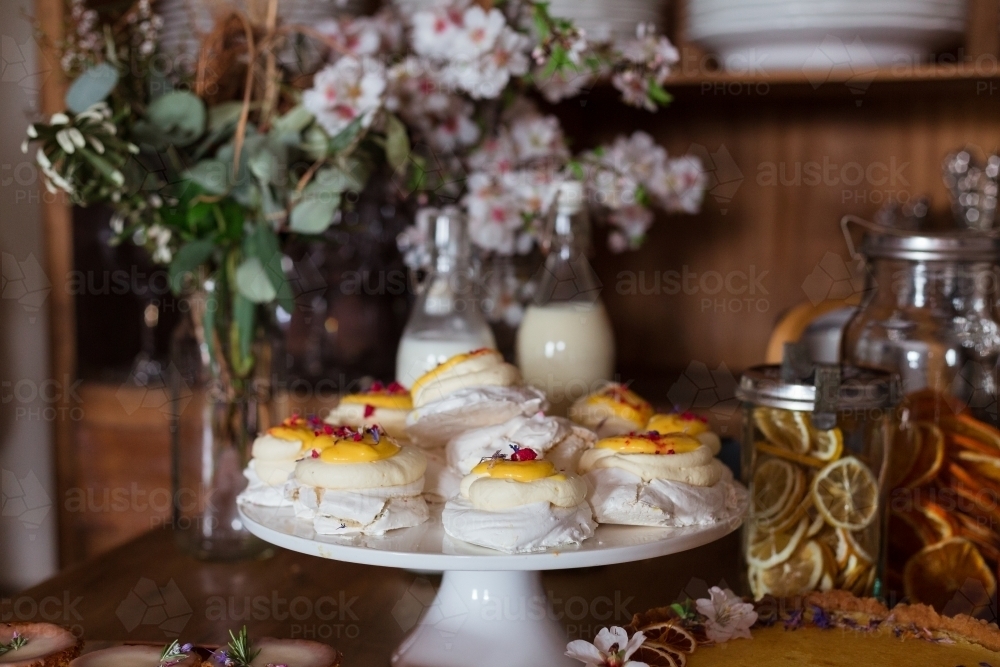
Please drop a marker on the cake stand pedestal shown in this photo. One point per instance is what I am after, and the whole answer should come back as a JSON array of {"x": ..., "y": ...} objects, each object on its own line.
[{"x": 491, "y": 609}]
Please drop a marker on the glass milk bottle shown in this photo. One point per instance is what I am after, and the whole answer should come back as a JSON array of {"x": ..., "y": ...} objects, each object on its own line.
[
  {"x": 565, "y": 345},
  {"x": 446, "y": 319}
]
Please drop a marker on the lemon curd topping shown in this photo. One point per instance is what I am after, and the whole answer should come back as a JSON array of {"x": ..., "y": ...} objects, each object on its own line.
[
  {"x": 447, "y": 365},
  {"x": 677, "y": 423},
  {"x": 649, "y": 443},
  {"x": 623, "y": 402},
  {"x": 519, "y": 471},
  {"x": 377, "y": 400},
  {"x": 291, "y": 433},
  {"x": 362, "y": 450}
]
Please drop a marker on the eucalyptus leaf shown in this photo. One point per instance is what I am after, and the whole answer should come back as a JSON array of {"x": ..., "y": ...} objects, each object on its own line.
[
  {"x": 253, "y": 282},
  {"x": 189, "y": 257},
  {"x": 263, "y": 243},
  {"x": 342, "y": 141},
  {"x": 179, "y": 115},
  {"x": 223, "y": 115},
  {"x": 94, "y": 85},
  {"x": 243, "y": 326},
  {"x": 315, "y": 143},
  {"x": 292, "y": 121},
  {"x": 210, "y": 175},
  {"x": 314, "y": 215},
  {"x": 397, "y": 142}
]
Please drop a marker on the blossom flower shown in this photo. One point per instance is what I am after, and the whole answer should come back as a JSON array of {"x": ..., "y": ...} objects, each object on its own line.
[
  {"x": 632, "y": 221},
  {"x": 478, "y": 32},
  {"x": 679, "y": 184},
  {"x": 488, "y": 75},
  {"x": 637, "y": 157},
  {"x": 352, "y": 36},
  {"x": 495, "y": 155},
  {"x": 494, "y": 215},
  {"x": 561, "y": 85},
  {"x": 454, "y": 130},
  {"x": 727, "y": 616},
  {"x": 344, "y": 91},
  {"x": 611, "y": 648},
  {"x": 633, "y": 87},
  {"x": 538, "y": 137}
]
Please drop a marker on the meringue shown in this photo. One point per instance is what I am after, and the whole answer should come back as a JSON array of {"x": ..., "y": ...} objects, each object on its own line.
[
  {"x": 386, "y": 407},
  {"x": 479, "y": 368},
  {"x": 273, "y": 458},
  {"x": 554, "y": 438},
  {"x": 622, "y": 497},
  {"x": 519, "y": 505},
  {"x": 682, "y": 459},
  {"x": 361, "y": 482},
  {"x": 434, "y": 424},
  {"x": 612, "y": 410}
]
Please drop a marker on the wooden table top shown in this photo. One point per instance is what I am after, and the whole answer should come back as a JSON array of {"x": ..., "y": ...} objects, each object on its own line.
[{"x": 148, "y": 590}]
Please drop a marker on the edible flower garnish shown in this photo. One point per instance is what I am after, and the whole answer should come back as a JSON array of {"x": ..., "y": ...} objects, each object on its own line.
[
  {"x": 16, "y": 641},
  {"x": 726, "y": 615},
  {"x": 611, "y": 648},
  {"x": 173, "y": 653},
  {"x": 522, "y": 453}
]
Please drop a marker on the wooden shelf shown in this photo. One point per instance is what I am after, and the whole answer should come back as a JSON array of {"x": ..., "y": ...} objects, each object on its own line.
[{"x": 988, "y": 70}]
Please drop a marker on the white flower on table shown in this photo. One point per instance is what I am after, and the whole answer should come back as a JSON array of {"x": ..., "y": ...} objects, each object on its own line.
[
  {"x": 727, "y": 616},
  {"x": 611, "y": 648},
  {"x": 344, "y": 91}
]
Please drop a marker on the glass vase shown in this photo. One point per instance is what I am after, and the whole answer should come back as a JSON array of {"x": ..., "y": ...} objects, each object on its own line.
[{"x": 218, "y": 410}]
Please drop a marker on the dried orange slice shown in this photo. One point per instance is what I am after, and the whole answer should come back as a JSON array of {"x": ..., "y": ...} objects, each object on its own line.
[
  {"x": 767, "y": 548},
  {"x": 846, "y": 494},
  {"x": 930, "y": 457},
  {"x": 785, "y": 428},
  {"x": 932, "y": 405},
  {"x": 827, "y": 445},
  {"x": 936, "y": 574},
  {"x": 799, "y": 574},
  {"x": 986, "y": 465},
  {"x": 777, "y": 485},
  {"x": 654, "y": 655},
  {"x": 980, "y": 534},
  {"x": 937, "y": 518},
  {"x": 969, "y": 426},
  {"x": 909, "y": 532}
]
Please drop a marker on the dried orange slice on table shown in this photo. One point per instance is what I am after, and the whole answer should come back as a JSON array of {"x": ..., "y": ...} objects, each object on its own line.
[
  {"x": 940, "y": 572},
  {"x": 846, "y": 494}
]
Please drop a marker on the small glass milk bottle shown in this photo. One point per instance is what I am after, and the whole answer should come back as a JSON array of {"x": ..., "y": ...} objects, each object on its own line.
[
  {"x": 565, "y": 345},
  {"x": 446, "y": 319}
]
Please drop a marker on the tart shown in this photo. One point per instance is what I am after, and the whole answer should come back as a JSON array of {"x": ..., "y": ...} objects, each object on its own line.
[
  {"x": 612, "y": 410},
  {"x": 359, "y": 482},
  {"x": 137, "y": 655},
  {"x": 468, "y": 391},
  {"x": 37, "y": 645},
  {"x": 519, "y": 504},
  {"x": 832, "y": 629}
]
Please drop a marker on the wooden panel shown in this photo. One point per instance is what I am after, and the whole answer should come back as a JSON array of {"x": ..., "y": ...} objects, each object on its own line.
[{"x": 57, "y": 219}]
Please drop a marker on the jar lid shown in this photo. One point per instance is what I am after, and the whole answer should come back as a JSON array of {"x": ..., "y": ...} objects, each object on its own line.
[
  {"x": 860, "y": 389},
  {"x": 944, "y": 246}
]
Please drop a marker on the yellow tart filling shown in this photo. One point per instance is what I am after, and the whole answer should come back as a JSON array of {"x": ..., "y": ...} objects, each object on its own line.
[
  {"x": 364, "y": 450},
  {"x": 623, "y": 402},
  {"x": 677, "y": 423},
  {"x": 447, "y": 365},
  {"x": 380, "y": 400},
  {"x": 519, "y": 471},
  {"x": 648, "y": 443}
]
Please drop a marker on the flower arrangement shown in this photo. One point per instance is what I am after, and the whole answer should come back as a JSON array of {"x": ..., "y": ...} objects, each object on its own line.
[{"x": 214, "y": 167}]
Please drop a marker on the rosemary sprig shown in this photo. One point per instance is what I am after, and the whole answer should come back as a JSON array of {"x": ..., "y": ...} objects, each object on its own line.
[
  {"x": 240, "y": 651},
  {"x": 173, "y": 653},
  {"x": 16, "y": 642}
]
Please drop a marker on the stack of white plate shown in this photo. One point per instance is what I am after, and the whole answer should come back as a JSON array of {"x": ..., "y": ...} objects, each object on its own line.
[
  {"x": 773, "y": 35},
  {"x": 607, "y": 19}
]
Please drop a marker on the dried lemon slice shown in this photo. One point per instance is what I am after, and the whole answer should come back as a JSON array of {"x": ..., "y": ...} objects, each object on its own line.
[
  {"x": 767, "y": 548},
  {"x": 774, "y": 488},
  {"x": 787, "y": 454},
  {"x": 799, "y": 574},
  {"x": 846, "y": 494},
  {"x": 827, "y": 445},
  {"x": 785, "y": 428}
]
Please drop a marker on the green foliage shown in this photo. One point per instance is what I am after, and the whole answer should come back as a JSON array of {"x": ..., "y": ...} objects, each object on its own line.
[{"x": 91, "y": 87}]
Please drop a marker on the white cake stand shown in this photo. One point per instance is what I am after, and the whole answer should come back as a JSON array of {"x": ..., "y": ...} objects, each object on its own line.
[{"x": 491, "y": 609}]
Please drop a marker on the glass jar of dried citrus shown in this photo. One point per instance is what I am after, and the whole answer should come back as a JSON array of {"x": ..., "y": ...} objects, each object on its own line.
[
  {"x": 929, "y": 313},
  {"x": 815, "y": 449}
]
